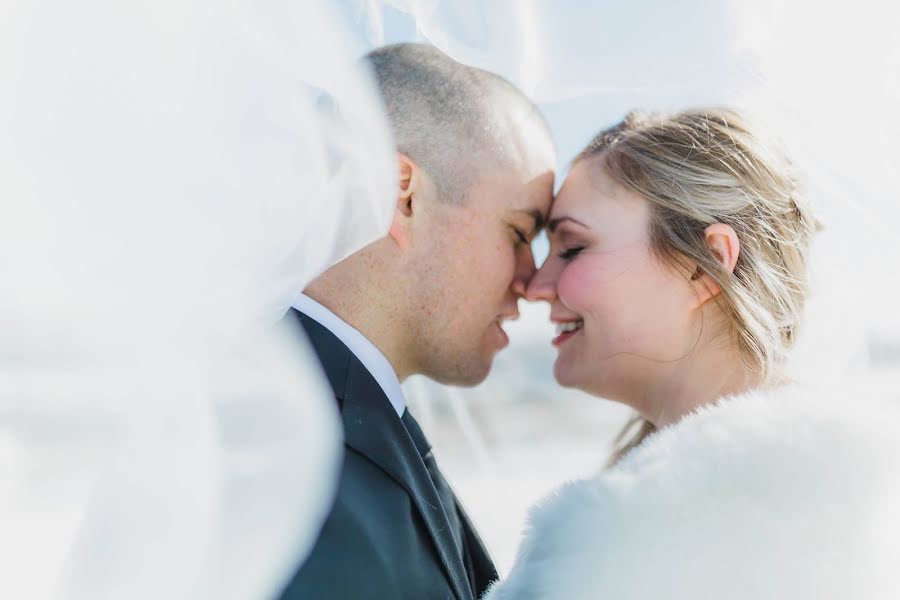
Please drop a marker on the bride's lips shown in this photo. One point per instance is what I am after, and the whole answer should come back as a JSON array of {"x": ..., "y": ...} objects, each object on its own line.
[{"x": 563, "y": 337}]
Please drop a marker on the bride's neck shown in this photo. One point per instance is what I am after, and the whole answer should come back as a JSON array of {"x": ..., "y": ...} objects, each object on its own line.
[{"x": 713, "y": 371}]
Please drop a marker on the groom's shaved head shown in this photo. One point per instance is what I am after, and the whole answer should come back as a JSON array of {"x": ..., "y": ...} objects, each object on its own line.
[{"x": 453, "y": 120}]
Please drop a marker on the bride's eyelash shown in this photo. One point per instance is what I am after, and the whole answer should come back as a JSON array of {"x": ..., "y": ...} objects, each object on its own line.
[{"x": 570, "y": 252}]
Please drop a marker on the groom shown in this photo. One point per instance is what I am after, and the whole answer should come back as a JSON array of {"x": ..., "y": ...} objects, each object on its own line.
[{"x": 475, "y": 162}]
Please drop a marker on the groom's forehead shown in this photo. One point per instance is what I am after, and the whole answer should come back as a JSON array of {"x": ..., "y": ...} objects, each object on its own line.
[
  {"x": 529, "y": 204},
  {"x": 524, "y": 192}
]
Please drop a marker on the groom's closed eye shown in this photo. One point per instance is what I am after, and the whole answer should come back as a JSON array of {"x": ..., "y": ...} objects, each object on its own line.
[{"x": 536, "y": 225}]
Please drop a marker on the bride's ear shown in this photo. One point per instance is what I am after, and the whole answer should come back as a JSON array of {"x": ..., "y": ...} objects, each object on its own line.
[
  {"x": 403, "y": 209},
  {"x": 723, "y": 241}
]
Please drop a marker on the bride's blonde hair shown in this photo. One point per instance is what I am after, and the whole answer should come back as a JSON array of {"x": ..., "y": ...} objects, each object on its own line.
[{"x": 705, "y": 166}]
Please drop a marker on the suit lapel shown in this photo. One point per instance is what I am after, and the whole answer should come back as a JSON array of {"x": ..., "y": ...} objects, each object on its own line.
[{"x": 372, "y": 428}]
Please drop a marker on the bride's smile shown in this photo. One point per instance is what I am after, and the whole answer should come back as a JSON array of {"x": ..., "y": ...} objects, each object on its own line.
[{"x": 566, "y": 329}]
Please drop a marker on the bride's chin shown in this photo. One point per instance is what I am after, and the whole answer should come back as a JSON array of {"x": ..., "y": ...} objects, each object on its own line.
[{"x": 562, "y": 373}]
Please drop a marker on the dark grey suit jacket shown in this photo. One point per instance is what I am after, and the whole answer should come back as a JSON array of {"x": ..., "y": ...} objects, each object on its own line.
[{"x": 388, "y": 534}]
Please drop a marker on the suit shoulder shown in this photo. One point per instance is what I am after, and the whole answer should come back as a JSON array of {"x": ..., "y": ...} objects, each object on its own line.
[
  {"x": 346, "y": 562},
  {"x": 355, "y": 555}
]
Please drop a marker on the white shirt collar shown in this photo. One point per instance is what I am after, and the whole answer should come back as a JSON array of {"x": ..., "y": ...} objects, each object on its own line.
[{"x": 367, "y": 353}]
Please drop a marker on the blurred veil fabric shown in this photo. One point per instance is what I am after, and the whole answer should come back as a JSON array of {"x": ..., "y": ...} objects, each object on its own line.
[{"x": 171, "y": 175}]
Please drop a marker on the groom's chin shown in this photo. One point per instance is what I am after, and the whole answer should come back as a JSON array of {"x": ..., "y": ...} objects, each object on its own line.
[
  {"x": 478, "y": 365},
  {"x": 468, "y": 372},
  {"x": 476, "y": 373}
]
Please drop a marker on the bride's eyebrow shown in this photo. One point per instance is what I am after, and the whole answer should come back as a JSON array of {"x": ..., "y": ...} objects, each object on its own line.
[{"x": 554, "y": 223}]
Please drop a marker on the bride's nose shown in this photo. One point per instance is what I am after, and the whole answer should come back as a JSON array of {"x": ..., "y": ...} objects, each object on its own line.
[{"x": 542, "y": 285}]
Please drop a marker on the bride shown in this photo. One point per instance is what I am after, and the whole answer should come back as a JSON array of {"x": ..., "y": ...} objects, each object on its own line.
[{"x": 677, "y": 279}]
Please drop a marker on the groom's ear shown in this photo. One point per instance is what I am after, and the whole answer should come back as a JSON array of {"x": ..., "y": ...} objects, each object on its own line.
[{"x": 403, "y": 208}]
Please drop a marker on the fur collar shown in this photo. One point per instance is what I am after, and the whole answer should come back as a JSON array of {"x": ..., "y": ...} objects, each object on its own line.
[{"x": 792, "y": 494}]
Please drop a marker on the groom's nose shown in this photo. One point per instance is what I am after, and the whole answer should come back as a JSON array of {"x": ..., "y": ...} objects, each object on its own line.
[{"x": 525, "y": 269}]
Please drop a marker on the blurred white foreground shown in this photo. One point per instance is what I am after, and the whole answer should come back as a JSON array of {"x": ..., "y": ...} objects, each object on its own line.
[{"x": 171, "y": 175}]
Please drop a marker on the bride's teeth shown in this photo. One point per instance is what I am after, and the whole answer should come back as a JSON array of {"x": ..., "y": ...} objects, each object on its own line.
[{"x": 570, "y": 326}]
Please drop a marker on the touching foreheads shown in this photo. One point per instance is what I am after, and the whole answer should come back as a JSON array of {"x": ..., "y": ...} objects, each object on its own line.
[{"x": 453, "y": 120}]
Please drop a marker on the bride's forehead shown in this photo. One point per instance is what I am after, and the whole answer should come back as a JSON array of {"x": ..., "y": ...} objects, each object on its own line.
[
  {"x": 576, "y": 194},
  {"x": 599, "y": 206}
]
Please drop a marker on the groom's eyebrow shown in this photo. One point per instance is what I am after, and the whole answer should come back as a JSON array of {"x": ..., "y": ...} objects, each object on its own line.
[{"x": 538, "y": 218}]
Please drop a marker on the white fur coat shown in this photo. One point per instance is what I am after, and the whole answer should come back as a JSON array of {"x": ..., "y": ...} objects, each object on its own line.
[{"x": 782, "y": 495}]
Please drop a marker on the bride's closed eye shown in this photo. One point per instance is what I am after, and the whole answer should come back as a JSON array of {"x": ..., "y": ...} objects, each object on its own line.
[{"x": 570, "y": 252}]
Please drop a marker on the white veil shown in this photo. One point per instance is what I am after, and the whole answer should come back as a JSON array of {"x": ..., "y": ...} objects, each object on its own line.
[{"x": 171, "y": 175}]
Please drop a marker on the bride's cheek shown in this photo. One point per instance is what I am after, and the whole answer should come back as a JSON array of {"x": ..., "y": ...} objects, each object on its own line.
[{"x": 578, "y": 287}]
